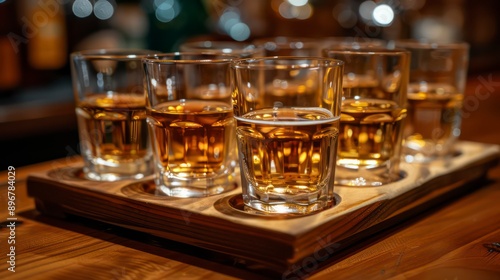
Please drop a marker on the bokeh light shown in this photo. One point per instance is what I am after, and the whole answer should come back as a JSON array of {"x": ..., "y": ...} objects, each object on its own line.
[
  {"x": 229, "y": 17},
  {"x": 166, "y": 10},
  {"x": 298, "y": 3},
  {"x": 240, "y": 31},
  {"x": 103, "y": 9},
  {"x": 366, "y": 10},
  {"x": 291, "y": 11},
  {"x": 230, "y": 22},
  {"x": 82, "y": 8},
  {"x": 383, "y": 15}
]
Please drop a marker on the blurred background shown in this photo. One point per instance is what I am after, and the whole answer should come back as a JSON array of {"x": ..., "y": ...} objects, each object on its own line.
[{"x": 37, "y": 119}]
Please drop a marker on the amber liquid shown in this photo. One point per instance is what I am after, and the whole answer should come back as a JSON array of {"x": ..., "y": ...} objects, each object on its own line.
[
  {"x": 433, "y": 119},
  {"x": 114, "y": 136},
  {"x": 287, "y": 158},
  {"x": 192, "y": 140},
  {"x": 370, "y": 132}
]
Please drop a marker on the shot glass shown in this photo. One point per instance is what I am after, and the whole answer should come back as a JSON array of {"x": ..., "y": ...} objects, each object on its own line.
[
  {"x": 373, "y": 113},
  {"x": 287, "y": 112},
  {"x": 438, "y": 74},
  {"x": 110, "y": 100},
  {"x": 240, "y": 49},
  {"x": 191, "y": 123}
]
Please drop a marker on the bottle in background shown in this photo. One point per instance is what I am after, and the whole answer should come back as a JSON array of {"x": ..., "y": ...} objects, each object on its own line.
[
  {"x": 10, "y": 56},
  {"x": 47, "y": 43}
]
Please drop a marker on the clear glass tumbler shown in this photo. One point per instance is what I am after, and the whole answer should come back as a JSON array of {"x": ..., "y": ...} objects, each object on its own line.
[
  {"x": 287, "y": 112},
  {"x": 191, "y": 123},
  {"x": 111, "y": 113},
  {"x": 373, "y": 115}
]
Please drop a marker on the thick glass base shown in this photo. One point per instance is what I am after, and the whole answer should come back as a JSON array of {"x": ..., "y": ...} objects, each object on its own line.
[
  {"x": 426, "y": 151},
  {"x": 258, "y": 207},
  {"x": 366, "y": 176},
  {"x": 105, "y": 170},
  {"x": 194, "y": 187},
  {"x": 282, "y": 203}
]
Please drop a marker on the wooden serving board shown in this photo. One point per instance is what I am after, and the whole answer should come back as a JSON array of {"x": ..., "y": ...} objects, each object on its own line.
[{"x": 282, "y": 244}]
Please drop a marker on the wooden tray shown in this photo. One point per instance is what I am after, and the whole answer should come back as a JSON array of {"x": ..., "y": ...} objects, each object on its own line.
[{"x": 220, "y": 224}]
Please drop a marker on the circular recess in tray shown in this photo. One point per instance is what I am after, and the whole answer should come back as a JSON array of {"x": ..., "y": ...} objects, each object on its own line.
[
  {"x": 442, "y": 160},
  {"x": 351, "y": 182},
  {"x": 145, "y": 190},
  {"x": 67, "y": 173},
  {"x": 233, "y": 206}
]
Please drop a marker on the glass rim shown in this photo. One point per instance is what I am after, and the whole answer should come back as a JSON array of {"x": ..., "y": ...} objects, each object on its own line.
[
  {"x": 328, "y": 39},
  {"x": 353, "y": 43},
  {"x": 214, "y": 45},
  {"x": 255, "y": 62},
  {"x": 352, "y": 39},
  {"x": 427, "y": 44},
  {"x": 287, "y": 39},
  {"x": 113, "y": 54},
  {"x": 288, "y": 42},
  {"x": 368, "y": 51},
  {"x": 215, "y": 58}
]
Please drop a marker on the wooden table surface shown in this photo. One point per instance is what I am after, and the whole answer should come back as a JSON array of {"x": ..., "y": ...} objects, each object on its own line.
[{"x": 452, "y": 241}]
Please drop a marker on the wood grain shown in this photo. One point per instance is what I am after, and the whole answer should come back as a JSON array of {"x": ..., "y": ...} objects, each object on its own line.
[
  {"x": 446, "y": 243},
  {"x": 197, "y": 223}
]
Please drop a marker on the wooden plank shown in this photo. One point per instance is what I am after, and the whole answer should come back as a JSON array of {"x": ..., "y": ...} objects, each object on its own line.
[{"x": 279, "y": 243}]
